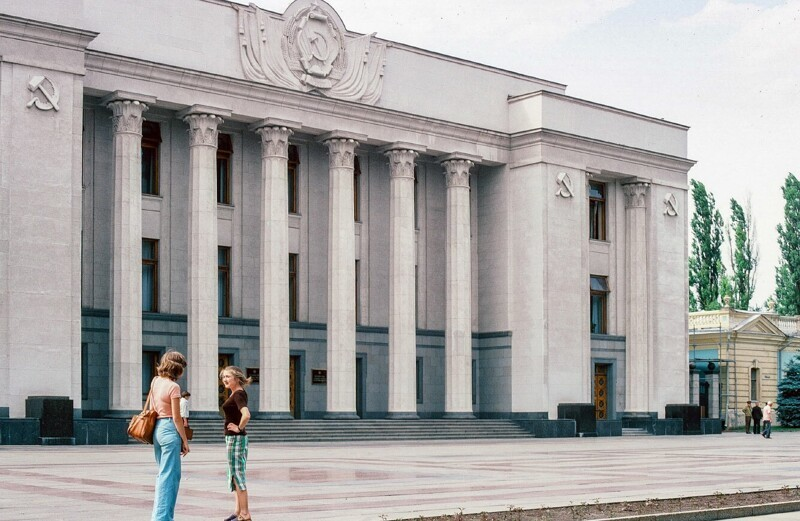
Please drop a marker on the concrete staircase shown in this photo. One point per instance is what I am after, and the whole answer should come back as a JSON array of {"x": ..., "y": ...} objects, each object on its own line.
[
  {"x": 288, "y": 431},
  {"x": 628, "y": 431}
]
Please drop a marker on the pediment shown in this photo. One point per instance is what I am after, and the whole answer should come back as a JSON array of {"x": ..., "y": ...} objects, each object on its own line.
[{"x": 759, "y": 324}]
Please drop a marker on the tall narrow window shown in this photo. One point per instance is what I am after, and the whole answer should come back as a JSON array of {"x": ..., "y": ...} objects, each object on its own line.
[
  {"x": 356, "y": 190},
  {"x": 754, "y": 383},
  {"x": 224, "y": 281},
  {"x": 151, "y": 141},
  {"x": 358, "y": 294},
  {"x": 597, "y": 211},
  {"x": 598, "y": 304},
  {"x": 416, "y": 199},
  {"x": 224, "y": 152},
  {"x": 150, "y": 275},
  {"x": 292, "y": 179},
  {"x": 293, "y": 287}
]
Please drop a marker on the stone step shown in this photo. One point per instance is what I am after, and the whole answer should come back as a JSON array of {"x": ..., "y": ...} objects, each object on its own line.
[
  {"x": 210, "y": 431},
  {"x": 627, "y": 431}
]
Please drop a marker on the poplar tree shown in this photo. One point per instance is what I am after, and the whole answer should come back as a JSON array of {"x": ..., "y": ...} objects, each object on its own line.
[
  {"x": 787, "y": 274},
  {"x": 789, "y": 395},
  {"x": 744, "y": 255},
  {"x": 705, "y": 262}
]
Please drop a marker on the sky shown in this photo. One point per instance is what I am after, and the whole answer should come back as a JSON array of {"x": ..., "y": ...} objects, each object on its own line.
[{"x": 728, "y": 69}]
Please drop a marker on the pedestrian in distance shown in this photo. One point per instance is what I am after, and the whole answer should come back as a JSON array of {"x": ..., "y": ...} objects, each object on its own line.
[
  {"x": 769, "y": 417},
  {"x": 757, "y": 415},
  {"x": 185, "y": 407},
  {"x": 169, "y": 437},
  {"x": 236, "y": 417},
  {"x": 748, "y": 417}
]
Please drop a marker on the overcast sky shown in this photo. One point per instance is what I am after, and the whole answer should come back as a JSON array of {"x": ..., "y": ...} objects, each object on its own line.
[{"x": 729, "y": 69}]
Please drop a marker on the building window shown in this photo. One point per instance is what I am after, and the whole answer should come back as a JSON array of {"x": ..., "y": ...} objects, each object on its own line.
[
  {"x": 356, "y": 190},
  {"x": 754, "y": 384},
  {"x": 597, "y": 211},
  {"x": 149, "y": 365},
  {"x": 151, "y": 141},
  {"x": 416, "y": 199},
  {"x": 224, "y": 152},
  {"x": 598, "y": 311},
  {"x": 420, "y": 374},
  {"x": 224, "y": 281},
  {"x": 293, "y": 287},
  {"x": 292, "y": 179},
  {"x": 150, "y": 275},
  {"x": 358, "y": 294},
  {"x": 474, "y": 382}
]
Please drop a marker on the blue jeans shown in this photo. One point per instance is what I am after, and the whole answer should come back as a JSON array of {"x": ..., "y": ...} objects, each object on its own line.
[
  {"x": 767, "y": 429},
  {"x": 167, "y": 445}
]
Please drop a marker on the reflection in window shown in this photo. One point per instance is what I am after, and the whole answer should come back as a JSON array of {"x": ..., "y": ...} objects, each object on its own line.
[
  {"x": 356, "y": 189},
  {"x": 293, "y": 287},
  {"x": 292, "y": 179},
  {"x": 150, "y": 275},
  {"x": 224, "y": 152},
  {"x": 151, "y": 141},
  {"x": 597, "y": 211},
  {"x": 598, "y": 304}
]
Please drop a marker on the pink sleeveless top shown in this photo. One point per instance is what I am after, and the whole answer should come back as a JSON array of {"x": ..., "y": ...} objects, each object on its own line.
[{"x": 164, "y": 390}]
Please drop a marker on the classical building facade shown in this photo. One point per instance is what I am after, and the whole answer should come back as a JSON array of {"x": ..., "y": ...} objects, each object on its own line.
[
  {"x": 736, "y": 356},
  {"x": 371, "y": 229}
]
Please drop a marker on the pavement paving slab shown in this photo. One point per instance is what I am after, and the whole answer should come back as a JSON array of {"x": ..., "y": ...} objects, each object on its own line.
[{"x": 378, "y": 481}]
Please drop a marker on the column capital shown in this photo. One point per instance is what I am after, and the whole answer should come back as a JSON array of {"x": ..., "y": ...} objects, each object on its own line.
[
  {"x": 342, "y": 134},
  {"x": 275, "y": 122},
  {"x": 636, "y": 194},
  {"x": 401, "y": 163},
  {"x": 456, "y": 171},
  {"x": 126, "y": 116},
  {"x": 121, "y": 95},
  {"x": 342, "y": 147},
  {"x": 204, "y": 122},
  {"x": 274, "y": 141}
]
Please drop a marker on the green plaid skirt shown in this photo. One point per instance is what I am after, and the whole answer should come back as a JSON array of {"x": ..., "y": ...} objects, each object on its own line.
[{"x": 237, "y": 461}]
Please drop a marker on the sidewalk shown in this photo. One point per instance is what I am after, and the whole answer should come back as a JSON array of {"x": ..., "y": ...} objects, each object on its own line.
[{"x": 365, "y": 481}]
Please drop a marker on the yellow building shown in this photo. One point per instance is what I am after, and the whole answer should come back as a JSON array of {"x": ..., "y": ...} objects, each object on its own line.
[{"x": 735, "y": 356}]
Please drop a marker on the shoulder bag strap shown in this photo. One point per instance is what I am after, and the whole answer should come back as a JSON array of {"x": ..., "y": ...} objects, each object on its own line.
[{"x": 147, "y": 403}]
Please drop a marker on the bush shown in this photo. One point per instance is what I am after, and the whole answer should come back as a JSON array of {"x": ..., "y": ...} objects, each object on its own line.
[{"x": 789, "y": 395}]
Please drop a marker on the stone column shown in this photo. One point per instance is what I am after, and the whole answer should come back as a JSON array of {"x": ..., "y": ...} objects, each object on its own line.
[
  {"x": 126, "y": 252},
  {"x": 402, "y": 283},
  {"x": 458, "y": 287},
  {"x": 341, "y": 336},
  {"x": 637, "y": 333},
  {"x": 713, "y": 396},
  {"x": 274, "y": 269},
  {"x": 202, "y": 320},
  {"x": 694, "y": 389}
]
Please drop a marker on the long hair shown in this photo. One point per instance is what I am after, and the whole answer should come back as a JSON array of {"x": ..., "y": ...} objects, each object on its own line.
[
  {"x": 237, "y": 373},
  {"x": 171, "y": 365}
]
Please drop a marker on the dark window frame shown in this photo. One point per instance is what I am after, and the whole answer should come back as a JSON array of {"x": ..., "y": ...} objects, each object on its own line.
[
  {"x": 224, "y": 181},
  {"x": 598, "y": 298},
  {"x": 356, "y": 190},
  {"x": 150, "y": 152},
  {"x": 597, "y": 211},
  {"x": 224, "y": 274},
  {"x": 293, "y": 294},
  {"x": 152, "y": 263},
  {"x": 292, "y": 180}
]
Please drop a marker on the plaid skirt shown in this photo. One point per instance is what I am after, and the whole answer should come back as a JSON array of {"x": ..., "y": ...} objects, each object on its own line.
[{"x": 237, "y": 461}]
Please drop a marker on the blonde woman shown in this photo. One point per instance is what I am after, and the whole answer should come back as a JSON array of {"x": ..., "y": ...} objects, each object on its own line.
[
  {"x": 169, "y": 438},
  {"x": 236, "y": 417}
]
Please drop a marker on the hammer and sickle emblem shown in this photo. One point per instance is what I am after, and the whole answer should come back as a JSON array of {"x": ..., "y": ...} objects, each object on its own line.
[
  {"x": 564, "y": 185},
  {"x": 670, "y": 205},
  {"x": 40, "y": 84}
]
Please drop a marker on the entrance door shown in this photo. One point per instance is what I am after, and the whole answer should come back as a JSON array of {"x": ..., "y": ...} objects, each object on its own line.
[
  {"x": 360, "y": 387},
  {"x": 601, "y": 391},
  {"x": 294, "y": 378},
  {"x": 224, "y": 361}
]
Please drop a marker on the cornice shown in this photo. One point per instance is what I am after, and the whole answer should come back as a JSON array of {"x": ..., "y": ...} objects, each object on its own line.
[
  {"x": 45, "y": 33},
  {"x": 115, "y": 65},
  {"x": 553, "y": 138}
]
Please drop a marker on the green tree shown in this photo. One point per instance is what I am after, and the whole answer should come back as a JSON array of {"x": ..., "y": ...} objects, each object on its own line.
[
  {"x": 787, "y": 274},
  {"x": 744, "y": 255},
  {"x": 789, "y": 395},
  {"x": 705, "y": 262}
]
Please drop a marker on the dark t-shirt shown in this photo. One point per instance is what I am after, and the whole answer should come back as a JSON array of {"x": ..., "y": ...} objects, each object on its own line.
[{"x": 232, "y": 408}]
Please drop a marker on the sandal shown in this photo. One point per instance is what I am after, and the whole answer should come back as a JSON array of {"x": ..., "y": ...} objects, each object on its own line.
[
  {"x": 232, "y": 517},
  {"x": 242, "y": 518}
]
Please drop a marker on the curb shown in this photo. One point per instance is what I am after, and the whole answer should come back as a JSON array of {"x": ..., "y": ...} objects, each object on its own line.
[{"x": 715, "y": 514}]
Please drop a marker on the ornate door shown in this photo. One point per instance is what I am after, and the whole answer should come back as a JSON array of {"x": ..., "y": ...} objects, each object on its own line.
[{"x": 601, "y": 391}]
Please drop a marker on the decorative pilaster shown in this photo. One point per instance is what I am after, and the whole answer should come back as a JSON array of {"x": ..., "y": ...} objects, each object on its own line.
[
  {"x": 637, "y": 334},
  {"x": 202, "y": 317},
  {"x": 402, "y": 283},
  {"x": 458, "y": 287},
  {"x": 126, "y": 252},
  {"x": 341, "y": 336},
  {"x": 274, "y": 269}
]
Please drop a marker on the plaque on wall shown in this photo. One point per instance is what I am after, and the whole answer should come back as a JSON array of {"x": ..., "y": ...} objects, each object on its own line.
[
  {"x": 319, "y": 376},
  {"x": 254, "y": 373}
]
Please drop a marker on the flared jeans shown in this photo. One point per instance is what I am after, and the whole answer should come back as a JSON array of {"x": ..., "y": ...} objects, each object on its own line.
[{"x": 167, "y": 446}]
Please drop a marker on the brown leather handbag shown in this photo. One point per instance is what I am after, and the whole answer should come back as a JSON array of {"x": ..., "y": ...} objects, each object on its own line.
[{"x": 143, "y": 424}]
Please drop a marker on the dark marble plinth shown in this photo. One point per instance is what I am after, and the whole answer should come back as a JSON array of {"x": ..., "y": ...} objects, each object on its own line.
[
  {"x": 690, "y": 414},
  {"x": 54, "y": 413},
  {"x": 584, "y": 416}
]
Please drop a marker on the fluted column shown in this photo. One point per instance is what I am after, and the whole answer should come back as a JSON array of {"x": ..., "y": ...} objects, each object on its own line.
[
  {"x": 637, "y": 334},
  {"x": 274, "y": 269},
  {"x": 126, "y": 252},
  {"x": 202, "y": 320},
  {"x": 402, "y": 283},
  {"x": 458, "y": 286},
  {"x": 341, "y": 334}
]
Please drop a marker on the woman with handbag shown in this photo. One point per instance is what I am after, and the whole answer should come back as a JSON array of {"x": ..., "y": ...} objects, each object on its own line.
[
  {"x": 236, "y": 417},
  {"x": 169, "y": 438}
]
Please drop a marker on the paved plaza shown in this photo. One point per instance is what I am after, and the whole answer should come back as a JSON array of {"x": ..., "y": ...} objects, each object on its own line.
[{"x": 378, "y": 480}]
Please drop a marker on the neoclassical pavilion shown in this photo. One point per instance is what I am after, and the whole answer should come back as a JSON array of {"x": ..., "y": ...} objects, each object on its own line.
[{"x": 369, "y": 229}]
